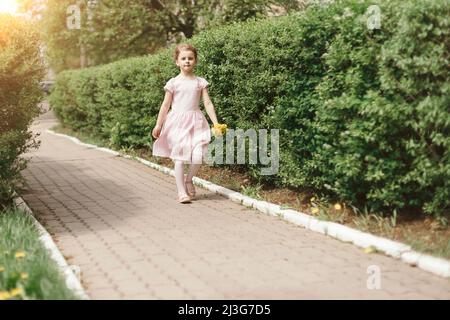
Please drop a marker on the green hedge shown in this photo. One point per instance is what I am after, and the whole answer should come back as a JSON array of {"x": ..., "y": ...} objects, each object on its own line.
[
  {"x": 384, "y": 122},
  {"x": 20, "y": 73},
  {"x": 364, "y": 114}
]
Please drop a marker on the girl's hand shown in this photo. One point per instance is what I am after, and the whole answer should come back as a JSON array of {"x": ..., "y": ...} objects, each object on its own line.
[{"x": 156, "y": 132}]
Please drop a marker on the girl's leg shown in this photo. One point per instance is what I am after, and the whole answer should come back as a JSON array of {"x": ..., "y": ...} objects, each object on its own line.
[
  {"x": 197, "y": 157},
  {"x": 179, "y": 177},
  {"x": 193, "y": 169}
]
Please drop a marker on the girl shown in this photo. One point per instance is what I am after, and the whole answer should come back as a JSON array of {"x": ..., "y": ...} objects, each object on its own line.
[{"x": 183, "y": 134}]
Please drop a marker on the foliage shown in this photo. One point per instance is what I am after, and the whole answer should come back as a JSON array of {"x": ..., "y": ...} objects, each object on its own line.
[
  {"x": 109, "y": 31},
  {"x": 363, "y": 114},
  {"x": 21, "y": 69}
]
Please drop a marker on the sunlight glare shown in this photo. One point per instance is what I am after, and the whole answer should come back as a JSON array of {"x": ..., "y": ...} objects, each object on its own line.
[{"x": 8, "y": 6}]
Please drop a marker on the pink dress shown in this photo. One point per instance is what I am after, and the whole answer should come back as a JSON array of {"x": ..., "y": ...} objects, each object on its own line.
[{"x": 185, "y": 134}]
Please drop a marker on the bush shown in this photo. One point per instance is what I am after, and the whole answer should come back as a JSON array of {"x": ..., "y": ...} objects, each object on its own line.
[
  {"x": 383, "y": 121},
  {"x": 363, "y": 114},
  {"x": 21, "y": 70}
]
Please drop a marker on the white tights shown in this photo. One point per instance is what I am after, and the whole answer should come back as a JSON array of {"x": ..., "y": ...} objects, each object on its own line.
[{"x": 179, "y": 175}]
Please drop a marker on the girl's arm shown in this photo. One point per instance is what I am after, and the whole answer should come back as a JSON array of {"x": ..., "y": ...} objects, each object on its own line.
[
  {"x": 162, "y": 114},
  {"x": 209, "y": 106}
]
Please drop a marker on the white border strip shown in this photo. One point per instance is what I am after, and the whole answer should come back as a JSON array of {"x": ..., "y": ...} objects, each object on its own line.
[
  {"x": 438, "y": 266},
  {"x": 72, "y": 281}
]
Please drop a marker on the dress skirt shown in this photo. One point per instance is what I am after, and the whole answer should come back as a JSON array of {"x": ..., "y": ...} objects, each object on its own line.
[{"x": 184, "y": 136}]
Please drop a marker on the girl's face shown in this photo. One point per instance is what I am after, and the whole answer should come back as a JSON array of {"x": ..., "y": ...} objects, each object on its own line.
[{"x": 186, "y": 60}]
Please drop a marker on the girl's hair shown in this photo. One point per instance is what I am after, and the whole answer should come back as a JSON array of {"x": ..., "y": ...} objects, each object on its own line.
[{"x": 187, "y": 47}]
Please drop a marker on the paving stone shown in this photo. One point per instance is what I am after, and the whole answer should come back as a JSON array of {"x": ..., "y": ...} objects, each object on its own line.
[{"x": 120, "y": 221}]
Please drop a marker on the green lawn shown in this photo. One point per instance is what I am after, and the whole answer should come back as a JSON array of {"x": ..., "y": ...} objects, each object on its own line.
[{"x": 26, "y": 269}]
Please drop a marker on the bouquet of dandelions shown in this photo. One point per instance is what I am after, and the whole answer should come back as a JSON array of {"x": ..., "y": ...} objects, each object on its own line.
[{"x": 218, "y": 129}]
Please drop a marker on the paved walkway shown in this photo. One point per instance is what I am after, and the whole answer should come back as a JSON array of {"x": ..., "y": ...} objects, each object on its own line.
[{"x": 118, "y": 220}]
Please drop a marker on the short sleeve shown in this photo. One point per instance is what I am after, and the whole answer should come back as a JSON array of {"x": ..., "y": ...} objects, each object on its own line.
[
  {"x": 203, "y": 83},
  {"x": 169, "y": 86}
]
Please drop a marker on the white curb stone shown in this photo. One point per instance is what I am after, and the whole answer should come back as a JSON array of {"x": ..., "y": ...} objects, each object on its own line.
[
  {"x": 361, "y": 239},
  {"x": 392, "y": 248},
  {"x": 109, "y": 151},
  {"x": 235, "y": 197},
  {"x": 318, "y": 226},
  {"x": 92, "y": 146},
  {"x": 215, "y": 188},
  {"x": 431, "y": 264},
  {"x": 364, "y": 240},
  {"x": 334, "y": 229},
  {"x": 228, "y": 192},
  {"x": 273, "y": 209},
  {"x": 411, "y": 258},
  {"x": 72, "y": 280},
  {"x": 296, "y": 217},
  {"x": 342, "y": 232},
  {"x": 248, "y": 202},
  {"x": 146, "y": 162},
  {"x": 435, "y": 265},
  {"x": 261, "y": 206}
]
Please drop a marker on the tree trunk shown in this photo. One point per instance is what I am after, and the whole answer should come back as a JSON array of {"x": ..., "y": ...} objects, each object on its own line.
[{"x": 83, "y": 59}]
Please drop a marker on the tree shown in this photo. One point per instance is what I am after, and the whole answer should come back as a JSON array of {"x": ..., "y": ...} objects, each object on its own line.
[
  {"x": 111, "y": 30},
  {"x": 62, "y": 45}
]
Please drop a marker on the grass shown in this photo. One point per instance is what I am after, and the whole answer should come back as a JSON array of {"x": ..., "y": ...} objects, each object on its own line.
[
  {"x": 86, "y": 138},
  {"x": 438, "y": 247},
  {"x": 252, "y": 191},
  {"x": 422, "y": 233},
  {"x": 26, "y": 269}
]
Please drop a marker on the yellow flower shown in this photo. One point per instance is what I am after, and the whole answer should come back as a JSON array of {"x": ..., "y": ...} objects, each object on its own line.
[
  {"x": 315, "y": 210},
  {"x": 20, "y": 255},
  {"x": 370, "y": 249},
  {"x": 218, "y": 129},
  {"x": 312, "y": 199},
  {"x": 221, "y": 126},
  {"x": 2, "y": 268},
  {"x": 24, "y": 275},
  {"x": 337, "y": 206},
  {"x": 4, "y": 295},
  {"x": 216, "y": 132},
  {"x": 16, "y": 292}
]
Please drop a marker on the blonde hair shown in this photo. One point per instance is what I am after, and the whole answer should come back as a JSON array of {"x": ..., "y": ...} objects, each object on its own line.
[{"x": 186, "y": 47}]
